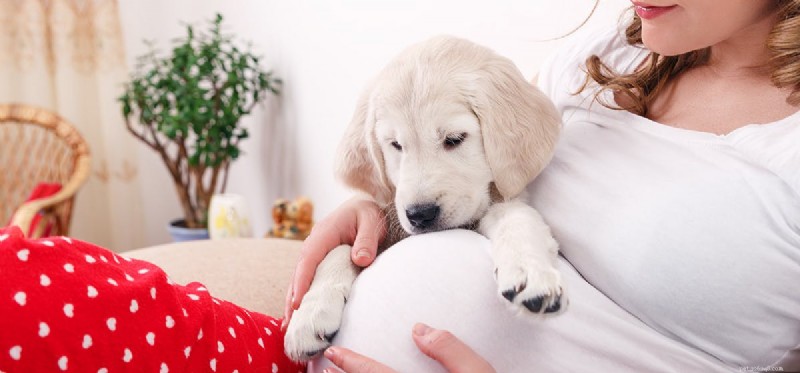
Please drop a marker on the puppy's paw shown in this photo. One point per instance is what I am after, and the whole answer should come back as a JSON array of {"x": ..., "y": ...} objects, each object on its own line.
[
  {"x": 532, "y": 287},
  {"x": 314, "y": 324}
]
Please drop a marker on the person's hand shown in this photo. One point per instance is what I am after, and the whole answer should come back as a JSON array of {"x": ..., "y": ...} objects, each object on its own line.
[
  {"x": 357, "y": 222},
  {"x": 439, "y": 345}
]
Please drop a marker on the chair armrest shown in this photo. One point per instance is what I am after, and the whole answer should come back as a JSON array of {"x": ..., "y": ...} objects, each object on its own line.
[{"x": 25, "y": 213}]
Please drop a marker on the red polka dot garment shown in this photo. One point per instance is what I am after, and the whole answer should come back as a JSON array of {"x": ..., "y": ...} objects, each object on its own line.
[{"x": 66, "y": 305}]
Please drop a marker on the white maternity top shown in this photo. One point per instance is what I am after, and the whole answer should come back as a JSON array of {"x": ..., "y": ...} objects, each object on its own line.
[
  {"x": 681, "y": 250},
  {"x": 695, "y": 234}
]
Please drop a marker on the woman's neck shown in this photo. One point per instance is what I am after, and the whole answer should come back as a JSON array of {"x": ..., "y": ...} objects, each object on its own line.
[{"x": 745, "y": 53}]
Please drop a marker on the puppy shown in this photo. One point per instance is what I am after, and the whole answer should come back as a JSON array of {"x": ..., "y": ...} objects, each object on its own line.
[{"x": 447, "y": 136}]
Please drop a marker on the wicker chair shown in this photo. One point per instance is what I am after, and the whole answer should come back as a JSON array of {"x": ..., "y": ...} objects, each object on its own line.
[{"x": 38, "y": 146}]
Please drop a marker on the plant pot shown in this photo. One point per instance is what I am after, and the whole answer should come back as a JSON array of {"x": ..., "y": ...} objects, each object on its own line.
[{"x": 179, "y": 232}]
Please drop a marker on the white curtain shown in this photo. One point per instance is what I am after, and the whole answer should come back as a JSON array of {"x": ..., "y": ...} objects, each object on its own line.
[{"x": 68, "y": 56}]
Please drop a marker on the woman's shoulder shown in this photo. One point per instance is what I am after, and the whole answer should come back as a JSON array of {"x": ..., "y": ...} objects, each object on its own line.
[{"x": 564, "y": 71}]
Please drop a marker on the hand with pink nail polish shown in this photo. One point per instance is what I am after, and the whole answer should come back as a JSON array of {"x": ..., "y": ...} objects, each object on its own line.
[{"x": 440, "y": 345}]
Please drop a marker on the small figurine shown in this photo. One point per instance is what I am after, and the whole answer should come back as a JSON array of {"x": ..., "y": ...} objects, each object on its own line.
[{"x": 292, "y": 219}]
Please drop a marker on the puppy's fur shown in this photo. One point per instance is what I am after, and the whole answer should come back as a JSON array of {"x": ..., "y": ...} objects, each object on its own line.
[{"x": 447, "y": 136}]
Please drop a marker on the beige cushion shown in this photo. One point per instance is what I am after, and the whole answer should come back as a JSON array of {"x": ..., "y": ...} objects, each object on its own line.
[{"x": 253, "y": 273}]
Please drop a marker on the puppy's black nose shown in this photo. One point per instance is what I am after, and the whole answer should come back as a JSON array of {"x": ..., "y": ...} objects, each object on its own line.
[{"x": 422, "y": 216}]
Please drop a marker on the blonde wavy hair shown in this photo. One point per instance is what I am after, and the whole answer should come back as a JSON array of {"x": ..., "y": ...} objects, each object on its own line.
[{"x": 643, "y": 85}]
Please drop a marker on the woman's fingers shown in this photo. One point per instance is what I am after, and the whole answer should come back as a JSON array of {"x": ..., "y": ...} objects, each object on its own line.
[
  {"x": 448, "y": 350},
  {"x": 370, "y": 232},
  {"x": 352, "y": 362}
]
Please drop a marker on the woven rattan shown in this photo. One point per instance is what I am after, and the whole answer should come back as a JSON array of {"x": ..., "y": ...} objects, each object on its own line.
[{"x": 38, "y": 146}]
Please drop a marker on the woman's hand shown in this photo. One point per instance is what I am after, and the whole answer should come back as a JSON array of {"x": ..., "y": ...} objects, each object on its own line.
[
  {"x": 357, "y": 222},
  {"x": 439, "y": 345}
]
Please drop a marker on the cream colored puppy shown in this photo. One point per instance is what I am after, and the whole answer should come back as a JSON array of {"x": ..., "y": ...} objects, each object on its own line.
[{"x": 447, "y": 136}]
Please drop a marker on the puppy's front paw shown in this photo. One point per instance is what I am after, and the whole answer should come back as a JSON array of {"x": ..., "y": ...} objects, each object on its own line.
[
  {"x": 314, "y": 324},
  {"x": 531, "y": 287}
]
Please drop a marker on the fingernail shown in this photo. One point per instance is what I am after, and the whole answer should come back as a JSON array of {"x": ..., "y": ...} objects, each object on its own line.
[
  {"x": 331, "y": 352},
  {"x": 363, "y": 253},
  {"x": 421, "y": 329}
]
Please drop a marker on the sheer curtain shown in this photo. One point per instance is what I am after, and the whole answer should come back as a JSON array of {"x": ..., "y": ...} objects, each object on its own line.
[{"x": 68, "y": 56}]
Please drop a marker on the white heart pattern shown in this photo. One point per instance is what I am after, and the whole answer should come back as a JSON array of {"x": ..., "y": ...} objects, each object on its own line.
[
  {"x": 91, "y": 291},
  {"x": 170, "y": 322},
  {"x": 87, "y": 341},
  {"x": 69, "y": 310},
  {"x": 134, "y": 306},
  {"x": 128, "y": 356},
  {"x": 151, "y": 338},
  {"x": 44, "y": 280},
  {"x": 15, "y": 352},
  {"x": 111, "y": 323},
  {"x": 21, "y": 298},
  {"x": 62, "y": 363},
  {"x": 23, "y": 254},
  {"x": 164, "y": 368},
  {"x": 44, "y": 329}
]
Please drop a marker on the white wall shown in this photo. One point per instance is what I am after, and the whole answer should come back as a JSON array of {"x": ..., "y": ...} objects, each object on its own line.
[{"x": 325, "y": 50}]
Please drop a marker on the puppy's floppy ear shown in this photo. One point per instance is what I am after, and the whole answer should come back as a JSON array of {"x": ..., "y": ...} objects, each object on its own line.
[
  {"x": 359, "y": 160},
  {"x": 519, "y": 124}
]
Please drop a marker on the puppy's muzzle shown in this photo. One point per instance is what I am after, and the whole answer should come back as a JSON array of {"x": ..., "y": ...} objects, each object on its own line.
[{"x": 423, "y": 216}]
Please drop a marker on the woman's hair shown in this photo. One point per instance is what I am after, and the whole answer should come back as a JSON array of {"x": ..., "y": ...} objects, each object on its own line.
[{"x": 641, "y": 86}]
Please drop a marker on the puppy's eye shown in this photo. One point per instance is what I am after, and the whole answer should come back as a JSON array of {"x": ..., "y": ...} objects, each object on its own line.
[
  {"x": 452, "y": 141},
  {"x": 396, "y": 145}
]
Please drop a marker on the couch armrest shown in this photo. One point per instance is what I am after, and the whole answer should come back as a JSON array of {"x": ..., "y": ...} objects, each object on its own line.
[{"x": 253, "y": 273}]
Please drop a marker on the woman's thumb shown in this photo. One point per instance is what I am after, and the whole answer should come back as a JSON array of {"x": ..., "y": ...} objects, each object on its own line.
[{"x": 448, "y": 350}]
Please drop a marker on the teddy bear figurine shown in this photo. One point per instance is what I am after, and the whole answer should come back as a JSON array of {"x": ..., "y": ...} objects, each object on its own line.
[{"x": 292, "y": 219}]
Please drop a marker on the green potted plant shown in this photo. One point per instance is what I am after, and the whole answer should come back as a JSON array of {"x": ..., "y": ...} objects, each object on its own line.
[{"x": 187, "y": 106}]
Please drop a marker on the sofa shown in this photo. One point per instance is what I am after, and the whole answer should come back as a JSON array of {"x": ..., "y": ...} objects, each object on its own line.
[{"x": 251, "y": 272}]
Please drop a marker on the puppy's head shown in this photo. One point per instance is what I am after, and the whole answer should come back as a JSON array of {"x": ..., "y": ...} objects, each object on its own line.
[{"x": 445, "y": 124}]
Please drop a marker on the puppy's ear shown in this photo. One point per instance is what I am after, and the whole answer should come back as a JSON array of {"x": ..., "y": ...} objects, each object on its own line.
[
  {"x": 359, "y": 160},
  {"x": 519, "y": 125}
]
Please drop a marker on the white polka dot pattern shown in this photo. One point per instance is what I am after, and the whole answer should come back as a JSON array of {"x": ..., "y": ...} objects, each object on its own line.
[{"x": 75, "y": 307}]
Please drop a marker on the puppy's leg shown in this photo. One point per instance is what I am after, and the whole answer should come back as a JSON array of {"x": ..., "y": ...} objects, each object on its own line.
[
  {"x": 524, "y": 253},
  {"x": 316, "y": 321}
]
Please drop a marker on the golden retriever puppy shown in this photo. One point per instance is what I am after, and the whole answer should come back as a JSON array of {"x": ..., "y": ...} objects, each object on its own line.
[{"x": 447, "y": 136}]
